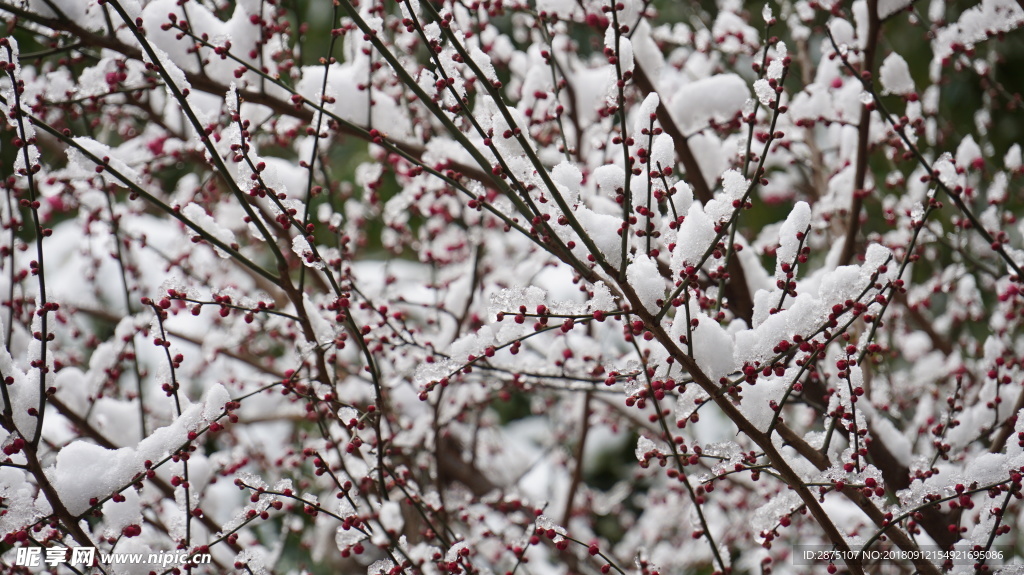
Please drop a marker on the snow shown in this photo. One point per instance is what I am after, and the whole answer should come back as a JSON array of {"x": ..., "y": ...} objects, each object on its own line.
[
  {"x": 345, "y": 538},
  {"x": 568, "y": 177},
  {"x": 758, "y": 398},
  {"x": 887, "y": 8},
  {"x": 301, "y": 248},
  {"x": 696, "y": 235},
  {"x": 173, "y": 73},
  {"x": 510, "y": 148},
  {"x": 428, "y": 287},
  {"x": 84, "y": 471},
  {"x": 816, "y": 296},
  {"x": 24, "y": 391},
  {"x": 643, "y": 276},
  {"x": 712, "y": 156},
  {"x": 213, "y": 406},
  {"x": 734, "y": 188},
  {"x": 602, "y": 299},
  {"x": 644, "y": 446},
  {"x": 968, "y": 152},
  {"x": 734, "y": 184},
  {"x": 380, "y": 567},
  {"x": 663, "y": 152},
  {"x": 895, "y": 76},
  {"x": 767, "y": 516},
  {"x": 104, "y": 356},
  {"x": 646, "y": 51},
  {"x": 86, "y": 165},
  {"x": 453, "y": 551},
  {"x": 1014, "y": 448},
  {"x": 322, "y": 330},
  {"x": 350, "y": 103},
  {"x": 946, "y": 171},
  {"x": 211, "y": 226},
  {"x": 895, "y": 441},
  {"x": 1012, "y": 160},
  {"x": 544, "y": 522},
  {"x": 119, "y": 515},
  {"x": 563, "y": 8},
  {"x": 472, "y": 344},
  {"x": 860, "y": 19},
  {"x": 509, "y": 299},
  {"x": 789, "y": 245},
  {"x": 609, "y": 178},
  {"x": 712, "y": 343},
  {"x": 811, "y": 103},
  {"x": 842, "y": 32},
  {"x": 625, "y": 54},
  {"x": 729, "y": 28},
  {"x": 776, "y": 66},
  {"x": 686, "y": 403},
  {"x": 976, "y": 24},
  {"x": 483, "y": 61},
  {"x": 602, "y": 229},
  {"x": 390, "y": 515},
  {"x": 765, "y": 93},
  {"x": 645, "y": 113},
  {"x": 717, "y": 98},
  {"x": 18, "y": 493},
  {"x": 85, "y": 13},
  {"x": 200, "y": 20}
]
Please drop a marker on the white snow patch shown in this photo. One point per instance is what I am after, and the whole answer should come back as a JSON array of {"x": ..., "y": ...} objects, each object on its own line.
[
  {"x": 642, "y": 275},
  {"x": 717, "y": 98},
  {"x": 895, "y": 76}
]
